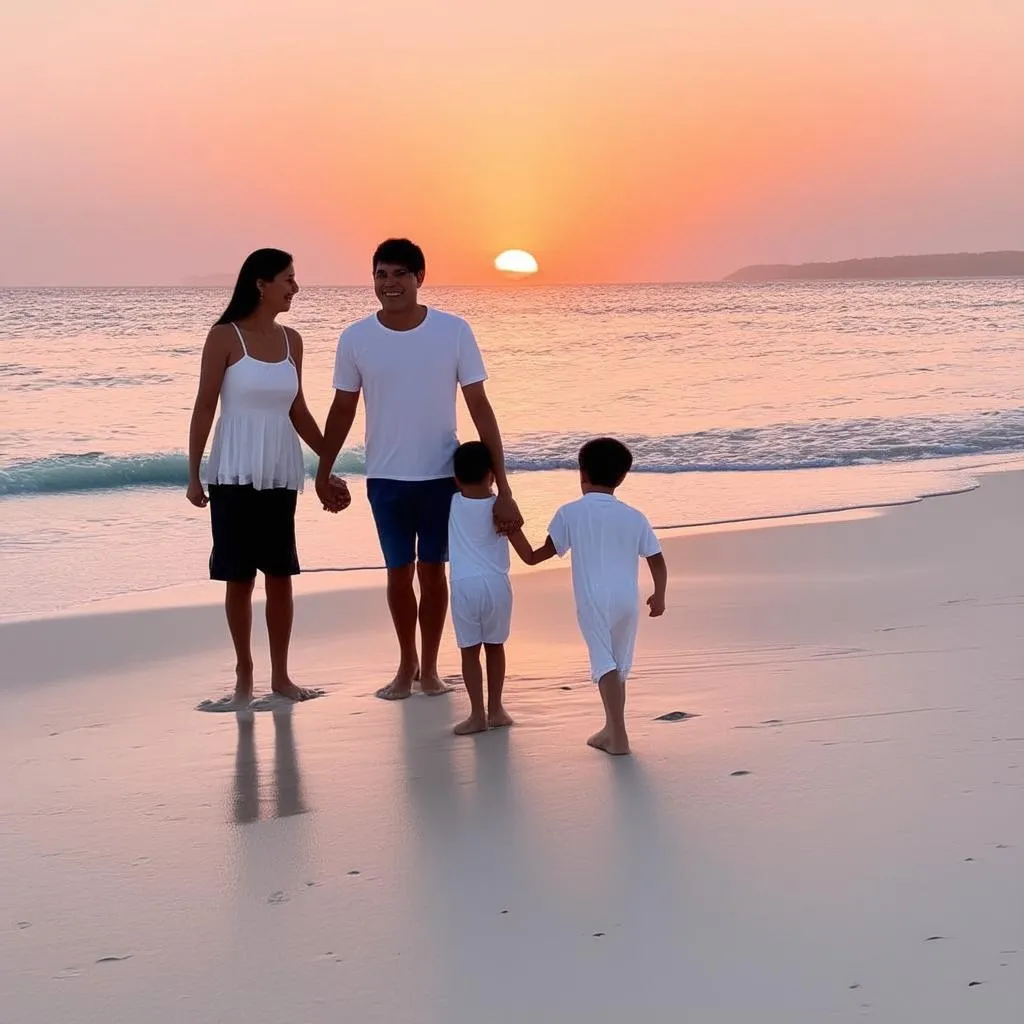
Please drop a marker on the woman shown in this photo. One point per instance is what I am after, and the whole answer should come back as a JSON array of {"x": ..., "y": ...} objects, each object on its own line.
[{"x": 253, "y": 366}]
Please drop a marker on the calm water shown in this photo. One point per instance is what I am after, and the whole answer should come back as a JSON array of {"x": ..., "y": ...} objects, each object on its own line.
[{"x": 738, "y": 401}]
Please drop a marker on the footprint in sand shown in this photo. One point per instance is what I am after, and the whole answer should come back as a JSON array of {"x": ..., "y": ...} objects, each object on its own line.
[
  {"x": 22, "y": 925},
  {"x": 675, "y": 716},
  {"x": 114, "y": 959},
  {"x": 278, "y": 897},
  {"x": 742, "y": 771}
]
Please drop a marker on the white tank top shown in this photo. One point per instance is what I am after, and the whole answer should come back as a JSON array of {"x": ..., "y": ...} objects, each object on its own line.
[{"x": 255, "y": 441}]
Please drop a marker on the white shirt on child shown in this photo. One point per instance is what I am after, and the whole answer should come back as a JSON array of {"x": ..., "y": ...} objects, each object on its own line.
[
  {"x": 607, "y": 538},
  {"x": 475, "y": 548},
  {"x": 479, "y": 562},
  {"x": 409, "y": 381}
]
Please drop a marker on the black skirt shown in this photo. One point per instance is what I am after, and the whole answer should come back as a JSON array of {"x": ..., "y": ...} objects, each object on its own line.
[{"x": 253, "y": 531}]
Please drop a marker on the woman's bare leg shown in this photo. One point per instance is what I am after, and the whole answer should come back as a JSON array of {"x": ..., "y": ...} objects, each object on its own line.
[
  {"x": 280, "y": 613},
  {"x": 238, "y": 608}
]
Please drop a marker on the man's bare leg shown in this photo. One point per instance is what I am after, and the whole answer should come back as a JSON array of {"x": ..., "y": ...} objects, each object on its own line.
[
  {"x": 238, "y": 608},
  {"x": 402, "y": 604},
  {"x": 497, "y": 716},
  {"x": 433, "y": 611},
  {"x": 612, "y": 739},
  {"x": 280, "y": 613},
  {"x": 473, "y": 677}
]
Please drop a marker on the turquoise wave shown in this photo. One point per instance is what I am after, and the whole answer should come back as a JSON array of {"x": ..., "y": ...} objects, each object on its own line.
[{"x": 811, "y": 444}]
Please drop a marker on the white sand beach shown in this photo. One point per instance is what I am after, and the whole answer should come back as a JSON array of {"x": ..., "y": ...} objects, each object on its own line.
[{"x": 837, "y": 835}]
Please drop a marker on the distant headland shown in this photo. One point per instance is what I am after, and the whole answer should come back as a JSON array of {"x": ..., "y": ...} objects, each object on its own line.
[{"x": 887, "y": 268}]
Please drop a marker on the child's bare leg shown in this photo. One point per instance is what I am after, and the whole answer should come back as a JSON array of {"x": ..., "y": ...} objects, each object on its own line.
[
  {"x": 612, "y": 739},
  {"x": 497, "y": 716},
  {"x": 473, "y": 677}
]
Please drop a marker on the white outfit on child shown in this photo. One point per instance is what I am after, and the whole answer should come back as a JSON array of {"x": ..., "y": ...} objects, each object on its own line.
[
  {"x": 607, "y": 538},
  {"x": 479, "y": 564}
]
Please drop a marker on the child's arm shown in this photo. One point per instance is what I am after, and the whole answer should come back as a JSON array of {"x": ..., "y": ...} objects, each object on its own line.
[
  {"x": 659, "y": 574},
  {"x": 524, "y": 549}
]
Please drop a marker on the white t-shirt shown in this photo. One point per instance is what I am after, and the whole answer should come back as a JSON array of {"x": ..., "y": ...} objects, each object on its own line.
[
  {"x": 607, "y": 538},
  {"x": 409, "y": 381},
  {"x": 475, "y": 548}
]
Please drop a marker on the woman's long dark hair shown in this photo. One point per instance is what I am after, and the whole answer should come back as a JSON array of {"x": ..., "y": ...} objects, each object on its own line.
[{"x": 261, "y": 265}]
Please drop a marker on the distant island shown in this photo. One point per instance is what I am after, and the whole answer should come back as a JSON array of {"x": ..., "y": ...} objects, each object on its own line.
[{"x": 888, "y": 268}]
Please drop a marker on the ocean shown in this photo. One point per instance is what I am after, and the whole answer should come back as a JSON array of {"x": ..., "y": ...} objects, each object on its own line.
[{"x": 739, "y": 402}]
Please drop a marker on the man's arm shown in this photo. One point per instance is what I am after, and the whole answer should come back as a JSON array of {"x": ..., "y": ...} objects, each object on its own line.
[
  {"x": 506, "y": 513},
  {"x": 525, "y": 550},
  {"x": 339, "y": 423},
  {"x": 659, "y": 574}
]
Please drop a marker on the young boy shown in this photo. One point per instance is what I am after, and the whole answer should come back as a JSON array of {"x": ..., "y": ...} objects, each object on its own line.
[
  {"x": 607, "y": 539},
  {"x": 481, "y": 600}
]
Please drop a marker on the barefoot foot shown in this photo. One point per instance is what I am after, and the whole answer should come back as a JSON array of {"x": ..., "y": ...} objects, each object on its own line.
[
  {"x": 286, "y": 688},
  {"x": 473, "y": 724},
  {"x": 401, "y": 686},
  {"x": 499, "y": 719},
  {"x": 225, "y": 704},
  {"x": 604, "y": 740},
  {"x": 433, "y": 685},
  {"x": 239, "y": 700}
]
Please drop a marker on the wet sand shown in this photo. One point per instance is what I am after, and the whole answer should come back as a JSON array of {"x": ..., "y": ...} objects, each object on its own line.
[{"x": 835, "y": 834}]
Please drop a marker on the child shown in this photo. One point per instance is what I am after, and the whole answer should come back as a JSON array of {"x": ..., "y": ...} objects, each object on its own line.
[
  {"x": 607, "y": 539},
  {"x": 481, "y": 592}
]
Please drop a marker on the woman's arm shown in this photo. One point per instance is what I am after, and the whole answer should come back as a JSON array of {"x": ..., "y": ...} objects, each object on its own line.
[
  {"x": 301, "y": 417},
  {"x": 211, "y": 376}
]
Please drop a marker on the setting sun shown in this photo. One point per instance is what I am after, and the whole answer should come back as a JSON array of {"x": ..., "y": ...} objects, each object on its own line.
[{"x": 516, "y": 261}]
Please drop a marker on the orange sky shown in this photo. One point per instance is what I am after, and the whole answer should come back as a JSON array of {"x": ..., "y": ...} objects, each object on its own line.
[{"x": 617, "y": 141}]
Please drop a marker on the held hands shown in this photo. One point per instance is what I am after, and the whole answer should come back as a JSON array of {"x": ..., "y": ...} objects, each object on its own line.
[
  {"x": 333, "y": 494},
  {"x": 656, "y": 602},
  {"x": 196, "y": 494},
  {"x": 507, "y": 518}
]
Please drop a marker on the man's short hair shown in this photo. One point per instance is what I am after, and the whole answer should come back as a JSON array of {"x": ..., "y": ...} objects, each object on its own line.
[
  {"x": 605, "y": 461},
  {"x": 472, "y": 462},
  {"x": 400, "y": 252}
]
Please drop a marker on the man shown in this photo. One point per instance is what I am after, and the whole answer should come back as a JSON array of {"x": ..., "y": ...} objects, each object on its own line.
[{"x": 409, "y": 361}]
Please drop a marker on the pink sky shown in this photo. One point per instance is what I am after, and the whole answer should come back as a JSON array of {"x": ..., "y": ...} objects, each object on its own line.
[{"x": 618, "y": 141}]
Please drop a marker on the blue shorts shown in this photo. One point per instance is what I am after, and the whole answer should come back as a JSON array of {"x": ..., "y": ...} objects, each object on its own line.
[{"x": 411, "y": 518}]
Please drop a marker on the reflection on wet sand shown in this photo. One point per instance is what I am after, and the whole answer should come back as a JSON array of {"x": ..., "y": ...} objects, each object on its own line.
[
  {"x": 246, "y": 801},
  {"x": 287, "y": 782}
]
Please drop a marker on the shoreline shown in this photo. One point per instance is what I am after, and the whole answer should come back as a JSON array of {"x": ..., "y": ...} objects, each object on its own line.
[
  {"x": 317, "y": 580},
  {"x": 193, "y": 623}
]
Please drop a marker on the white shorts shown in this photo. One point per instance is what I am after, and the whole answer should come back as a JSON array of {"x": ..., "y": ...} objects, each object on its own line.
[
  {"x": 610, "y": 639},
  {"x": 482, "y": 610}
]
